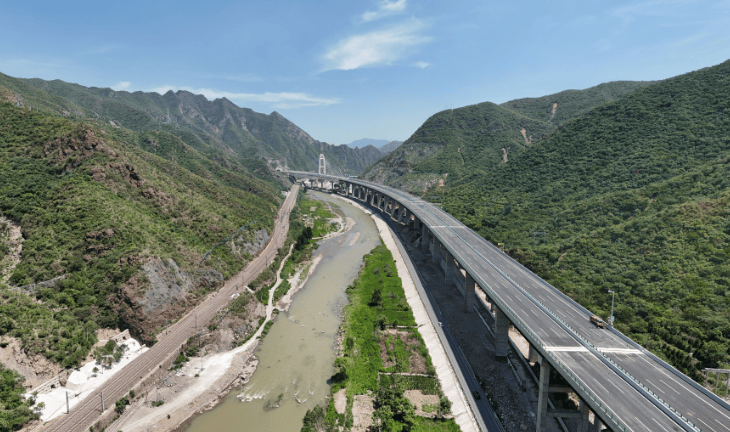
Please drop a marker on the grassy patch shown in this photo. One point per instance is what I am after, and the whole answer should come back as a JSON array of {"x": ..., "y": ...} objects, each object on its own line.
[{"x": 376, "y": 304}]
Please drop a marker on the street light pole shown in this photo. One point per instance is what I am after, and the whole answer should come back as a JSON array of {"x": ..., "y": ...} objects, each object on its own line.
[{"x": 613, "y": 296}]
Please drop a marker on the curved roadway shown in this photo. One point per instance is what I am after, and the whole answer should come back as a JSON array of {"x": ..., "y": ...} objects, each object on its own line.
[{"x": 607, "y": 368}]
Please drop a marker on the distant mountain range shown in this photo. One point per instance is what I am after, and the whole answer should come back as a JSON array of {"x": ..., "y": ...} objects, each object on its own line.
[
  {"x": 390, "y": 147},
  {"x": 218, "y": 128},
  {"x": 364, "y": 142},
  {"x": 458, "y": 142}
]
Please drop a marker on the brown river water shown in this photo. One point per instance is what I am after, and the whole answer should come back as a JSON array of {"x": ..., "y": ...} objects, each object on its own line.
[{"x": 296, "y": 357}]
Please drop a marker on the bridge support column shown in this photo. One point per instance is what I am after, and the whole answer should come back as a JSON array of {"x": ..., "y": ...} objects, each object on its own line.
[
  {"x": 435, "y": 246},
  {"x": 424, "y": 238},
  {"x": 416, "y": 223},
  {"x": 448, "y": 266},
  {"x": 501, "y": 334},
  {"x": 406, "y": 216},
  {"x": 542, "y": 397},
  {"x": 532, "y": 354},
  {"x": 584, "y": 423},
  {"x": 597, "y": 425},
  {"x": 470, "y": 293}
]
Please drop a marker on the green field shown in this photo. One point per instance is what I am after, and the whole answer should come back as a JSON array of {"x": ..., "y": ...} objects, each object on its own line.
[{"x": 378, "y": 324}]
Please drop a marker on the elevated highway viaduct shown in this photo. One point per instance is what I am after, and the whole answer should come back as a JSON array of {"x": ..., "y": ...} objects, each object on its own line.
[{"x": 626, "y": 386}]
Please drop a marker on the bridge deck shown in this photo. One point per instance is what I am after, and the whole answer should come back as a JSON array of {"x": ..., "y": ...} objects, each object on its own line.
[{"x": 542, "y": 308}]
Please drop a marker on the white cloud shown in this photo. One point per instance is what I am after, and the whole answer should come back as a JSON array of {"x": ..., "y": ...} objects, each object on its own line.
[
  {"x": 123, "y": 85},
  {"x": 385, "y": 8},
  {"x": 281, "y": 100},
  {"x": 421, "y": 64},
  {"x": 375, "y": 48}
]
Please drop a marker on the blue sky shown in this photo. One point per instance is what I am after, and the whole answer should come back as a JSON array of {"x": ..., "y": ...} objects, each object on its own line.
[{"x": 348, "y": 70}]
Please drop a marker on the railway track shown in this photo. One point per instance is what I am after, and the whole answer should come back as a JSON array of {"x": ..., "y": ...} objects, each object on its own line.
[{"x": 88, "y": 411}]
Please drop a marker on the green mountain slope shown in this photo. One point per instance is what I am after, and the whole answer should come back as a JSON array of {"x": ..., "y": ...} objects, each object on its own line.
[
  {"x": 103, "y": 214},
  {"x": 571, "y": 104},
  {"x": 219, "y": 128},
  {"x": 634, "y": 197},
  {"x": 456, "y": 143}
]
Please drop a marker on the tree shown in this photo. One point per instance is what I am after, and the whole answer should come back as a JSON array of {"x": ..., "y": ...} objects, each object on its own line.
[
  {"x": 444, "y": 406},
  {"x": 394, "y": 410},
  {"x": 121, "y": 404},
  {"x": 377, "y": 298}
]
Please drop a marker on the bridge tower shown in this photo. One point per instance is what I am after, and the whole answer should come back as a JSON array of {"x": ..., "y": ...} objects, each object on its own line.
[{"x": 322, "y": 166}]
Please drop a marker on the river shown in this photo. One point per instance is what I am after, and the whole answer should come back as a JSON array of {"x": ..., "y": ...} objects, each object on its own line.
[{"x": 296, "y": 357}]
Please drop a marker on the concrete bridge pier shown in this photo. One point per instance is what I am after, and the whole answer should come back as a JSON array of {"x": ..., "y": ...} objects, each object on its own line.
[
  {"x": 470, "y": 292},
  {"x": 448, "y": 266},
  {"x": 435, "y": 246},
  {"x": 501, "y": 333},
  {"x": 542, "y": 394},
  {"x": 406, "y": 217},
  {"x": 425, "y": 240},
  {"x": 544, "y": 390},
  {"x": 416, "y": 223}
]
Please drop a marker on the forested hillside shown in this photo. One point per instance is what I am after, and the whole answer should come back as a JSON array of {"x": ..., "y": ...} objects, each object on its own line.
[
  {"x": 477, "y": 138},
  {"x": 218, "y": 129},
  {"x": 93, "y": 211},
  {"x": 634, "y": 196}
]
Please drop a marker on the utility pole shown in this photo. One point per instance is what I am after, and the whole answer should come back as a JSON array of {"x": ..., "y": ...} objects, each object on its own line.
[
  {"x": 613, "y": 296},
  {"x": 67, "y": 408},
  {"x": 101, "y": 393}
]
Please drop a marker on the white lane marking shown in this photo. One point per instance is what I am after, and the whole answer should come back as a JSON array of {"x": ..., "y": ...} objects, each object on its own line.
[
  {"x": 619, "y": 388},
  {"x": 670, "y": 387},
  {"x": 566, "y": 349},
  {"x": 654, "y": 385},
  {"x": 660, "y": 425},
  {"x": 620, "y": 350},
  {"x": 601, "y": 385},
  {"x": 637, "y": 419},
  {"x": 691, "y": 391},
  {"x": 700, "y": 420}
]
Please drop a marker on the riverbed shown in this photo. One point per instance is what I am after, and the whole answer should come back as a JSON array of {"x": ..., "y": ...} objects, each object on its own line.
[{"x": 296, "y": 357}]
